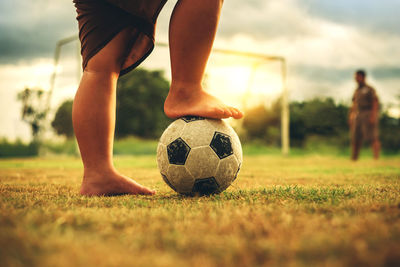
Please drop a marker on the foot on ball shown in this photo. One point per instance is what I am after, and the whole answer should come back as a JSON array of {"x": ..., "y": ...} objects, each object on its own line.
[{"x": 193, "y": 100}]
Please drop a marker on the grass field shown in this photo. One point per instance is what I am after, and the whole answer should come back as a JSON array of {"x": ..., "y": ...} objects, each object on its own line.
[{"x": 297, "y": 211}]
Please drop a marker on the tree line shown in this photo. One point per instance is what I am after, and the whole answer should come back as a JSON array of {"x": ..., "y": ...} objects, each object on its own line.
[{"x": 141, "y": 94}]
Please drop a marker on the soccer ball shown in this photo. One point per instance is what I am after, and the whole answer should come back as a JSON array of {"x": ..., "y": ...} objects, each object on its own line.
[{"x": 199, "y": 156}]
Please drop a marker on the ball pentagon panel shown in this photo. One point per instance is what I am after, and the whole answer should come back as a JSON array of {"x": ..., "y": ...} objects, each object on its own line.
[
  {"x": 222, "y": 127},
  {"x": 178, "y": 151},
  {"x": 221, "y": 144},
  {"x": 205, "y": 186},
  {"x": 188, "y": 119}
]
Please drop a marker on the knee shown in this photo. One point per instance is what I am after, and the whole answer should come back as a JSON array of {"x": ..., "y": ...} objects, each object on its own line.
[
  {"x": 104, "y": 63},
  {"x": 111, "y": 57}
]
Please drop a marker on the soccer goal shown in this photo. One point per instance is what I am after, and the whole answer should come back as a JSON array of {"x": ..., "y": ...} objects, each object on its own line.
[{"x": 242, "y": 79}]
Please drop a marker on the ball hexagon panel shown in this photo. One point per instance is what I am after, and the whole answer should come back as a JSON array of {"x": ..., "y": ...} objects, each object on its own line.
[
  {"x": 180, "y": 178},
  {"x": 221, "y": 144},
  {"x": 168, "y": 182},
  {"x": 237, "y": 147},
  {"x": 227, "y": 169},
  {"x": 198, "y": 133},
  {"x": 162, "y": 158},
  {"x": 219, "y": 126},
  {"x": 205, "y": 186},
  {"x": 173, "y": 132},
  {"x": 178, "y": 152},
  {"x": 202, "y": 162},
  {"x": 237, "y": 173},
  {"x": 188, "y": 119}
]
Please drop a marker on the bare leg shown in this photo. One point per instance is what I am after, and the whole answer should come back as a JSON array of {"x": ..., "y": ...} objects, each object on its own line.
[
  {"x": 355, "y": 149},
  {"x": 192, "y": 31},
  {"x": 94, "y": 123},
  {"x": 376, "y": 148}
]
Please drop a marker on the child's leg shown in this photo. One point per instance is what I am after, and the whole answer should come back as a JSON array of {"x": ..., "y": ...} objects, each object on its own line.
[
  {"x": 355, "y": 148},
  {"x": 376, "y": 148},
  {"x": 192, "y": 31},
  {"x": 94, "y": 122}
]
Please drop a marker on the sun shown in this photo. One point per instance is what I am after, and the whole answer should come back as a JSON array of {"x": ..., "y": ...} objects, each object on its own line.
[
  {"x": 244, "y": 85},
  {"x": 232, "y": 78}
]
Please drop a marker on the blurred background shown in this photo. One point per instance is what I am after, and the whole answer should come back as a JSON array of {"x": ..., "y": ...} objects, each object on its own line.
[{"x": 322, "y": 43}]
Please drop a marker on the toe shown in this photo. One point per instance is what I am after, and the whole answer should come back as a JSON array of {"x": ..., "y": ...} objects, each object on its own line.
[
  {"x": 227, "y": 112},
  {"x": 146, "y": 191},
  {"x": 237, "y": 114},
  {"x": 150, "y": 192},
  {"x": 234, "y": 112}
]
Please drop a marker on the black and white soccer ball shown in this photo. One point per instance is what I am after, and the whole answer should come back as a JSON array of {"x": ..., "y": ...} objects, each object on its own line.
[{"x": 199, "y": 156}]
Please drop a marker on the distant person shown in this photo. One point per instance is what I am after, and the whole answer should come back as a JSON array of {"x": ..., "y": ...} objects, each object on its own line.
[
  {"x": 116, "y": 36},
  {"x": 363, "y": 117}
]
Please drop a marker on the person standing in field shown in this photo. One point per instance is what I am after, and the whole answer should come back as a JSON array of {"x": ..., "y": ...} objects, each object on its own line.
[
  {"x": 116, "y": 36},
  {"x": 363, "y": 117}
]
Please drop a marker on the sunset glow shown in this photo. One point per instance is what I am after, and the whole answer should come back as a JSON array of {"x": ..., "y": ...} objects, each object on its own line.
[{"x": 244, "y": 86}]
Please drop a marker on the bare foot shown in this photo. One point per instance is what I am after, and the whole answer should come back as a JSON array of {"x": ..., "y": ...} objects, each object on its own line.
[
  {"x": 193, "y": 100},
  {"x": 110, "y": 184}
]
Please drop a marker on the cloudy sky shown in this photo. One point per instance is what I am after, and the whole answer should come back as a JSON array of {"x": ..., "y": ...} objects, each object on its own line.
[{"x": 323, "y": 41}]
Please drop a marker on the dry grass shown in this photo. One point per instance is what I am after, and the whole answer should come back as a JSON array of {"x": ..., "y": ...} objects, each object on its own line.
[{"x": 299, "y": 211}]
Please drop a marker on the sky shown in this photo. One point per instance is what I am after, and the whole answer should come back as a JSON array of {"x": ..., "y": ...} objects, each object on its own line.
[{"x": 323, "y": 41}]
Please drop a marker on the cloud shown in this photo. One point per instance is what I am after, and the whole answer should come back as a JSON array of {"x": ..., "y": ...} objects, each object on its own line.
[
  {"x": 264, "y": 19},
  {"x": 318, "y": 43},
  {"x": 273, "y": 19},
  {"x": 375, "y": 16},
  {"x": 30, "y": 29}
]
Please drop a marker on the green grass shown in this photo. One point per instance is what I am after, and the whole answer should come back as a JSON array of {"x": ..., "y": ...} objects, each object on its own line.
[
  {"x": 138, "y": 146},
  {"x": 298, "y": 211}
]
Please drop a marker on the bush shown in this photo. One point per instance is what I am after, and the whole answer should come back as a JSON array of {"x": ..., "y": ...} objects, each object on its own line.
[
  {"x": 263, "y": 124},
  {"x": 18, "y": 149},
  {"x": 389, "y": 133},
  {"x": 62, "y": 122}
]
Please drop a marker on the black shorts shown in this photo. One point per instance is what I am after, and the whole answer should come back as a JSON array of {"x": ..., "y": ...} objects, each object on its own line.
[{"x": 100, "y": 21}]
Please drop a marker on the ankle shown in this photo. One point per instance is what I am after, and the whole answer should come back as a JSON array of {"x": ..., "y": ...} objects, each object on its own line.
[
  {"x": 94, "y": 172},
  {"x": 184, "y": 87}
]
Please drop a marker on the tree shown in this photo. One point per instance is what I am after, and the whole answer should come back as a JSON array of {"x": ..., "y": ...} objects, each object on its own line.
[
  {"x": 33, "y": 109},
  {"x": 140, "y": 100},
  {"x": 62, "y": 122}
]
